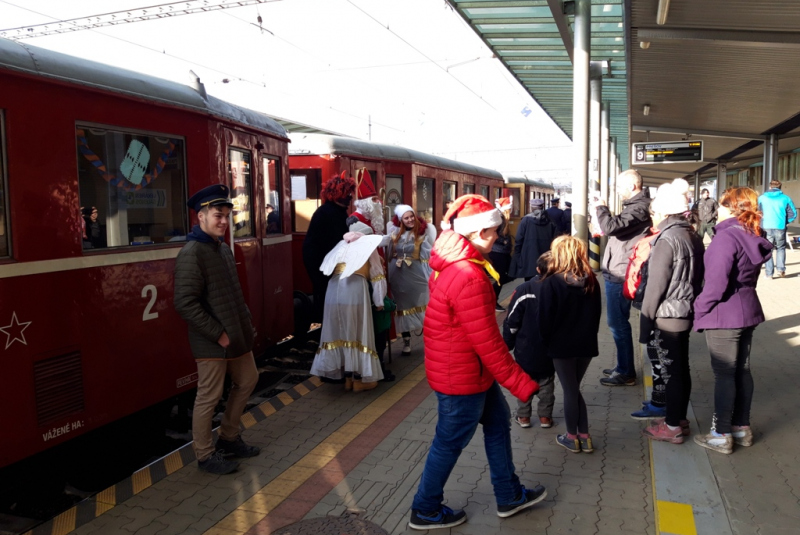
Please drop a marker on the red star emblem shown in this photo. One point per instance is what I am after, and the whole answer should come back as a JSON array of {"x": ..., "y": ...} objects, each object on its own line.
[{"x": 15, "y": 330}]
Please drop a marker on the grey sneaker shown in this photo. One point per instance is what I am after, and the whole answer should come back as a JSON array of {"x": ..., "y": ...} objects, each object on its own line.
[
  {"x": 217, "y": 464},
  {"x": 617, "y": 379},
  {"x": 722, "y": 444},
  {"x": 742, "y": 435},
  {"x": 237, "y": 448}
]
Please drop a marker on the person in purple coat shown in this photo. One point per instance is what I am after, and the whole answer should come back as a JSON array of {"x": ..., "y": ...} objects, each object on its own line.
[{"x": 728, "y": 310}]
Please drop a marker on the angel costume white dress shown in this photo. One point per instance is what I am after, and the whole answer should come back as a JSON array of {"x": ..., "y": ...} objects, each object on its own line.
[
  {"x": 347, "y": 341},
  {"x": 408, "y": 276}
]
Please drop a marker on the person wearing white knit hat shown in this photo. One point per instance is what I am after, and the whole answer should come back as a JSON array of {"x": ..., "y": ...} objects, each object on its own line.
[
  {"x": 347, "y": 341},
  {"x": 410, "y": 242},
  {"x": 674, "y": 279}
]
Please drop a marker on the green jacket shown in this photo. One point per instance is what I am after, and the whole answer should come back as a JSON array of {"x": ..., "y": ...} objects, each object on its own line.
[{"x": 209, "y": 298}]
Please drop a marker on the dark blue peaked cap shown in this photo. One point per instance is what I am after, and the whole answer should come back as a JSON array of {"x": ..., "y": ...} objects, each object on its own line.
[{"x": 216, "y": 195}]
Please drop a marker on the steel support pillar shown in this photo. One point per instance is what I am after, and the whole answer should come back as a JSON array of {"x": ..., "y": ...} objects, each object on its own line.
[
  {"x": 770, "y": 161},
  {"x": 722, "y": 176},
  {"x": 696, "y": 186},
  {"x": 595, "y": 151},
  {"x": 580, "y": 116}
]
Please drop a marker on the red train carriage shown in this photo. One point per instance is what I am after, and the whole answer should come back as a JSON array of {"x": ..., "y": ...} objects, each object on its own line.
[
  {"x": 95, "y": 167},
  {"x": 403, "y": 176}
]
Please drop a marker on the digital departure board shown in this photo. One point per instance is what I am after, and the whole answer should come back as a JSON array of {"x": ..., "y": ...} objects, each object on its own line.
[{"x": 667, "y": 152}]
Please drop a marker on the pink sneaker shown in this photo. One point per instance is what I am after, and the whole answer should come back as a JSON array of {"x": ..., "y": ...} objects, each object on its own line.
[{"x": 659, "y": 430}]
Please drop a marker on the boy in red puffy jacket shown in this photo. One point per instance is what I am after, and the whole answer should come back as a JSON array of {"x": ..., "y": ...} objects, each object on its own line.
[{"x": 465, "y": 359}]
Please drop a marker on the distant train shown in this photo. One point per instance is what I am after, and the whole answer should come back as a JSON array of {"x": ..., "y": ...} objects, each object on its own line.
[
  {"x": 96, "y": 163},
  {"x": 403, "y": 176}
]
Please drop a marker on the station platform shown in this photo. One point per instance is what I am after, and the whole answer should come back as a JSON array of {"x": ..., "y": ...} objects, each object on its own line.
[{"x": 344, "y": 462}]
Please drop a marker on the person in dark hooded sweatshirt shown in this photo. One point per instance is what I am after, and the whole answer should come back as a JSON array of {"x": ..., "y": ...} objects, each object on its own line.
[
  {"x": 535, "y": 234},
  {"x": 728, "y": 311}
]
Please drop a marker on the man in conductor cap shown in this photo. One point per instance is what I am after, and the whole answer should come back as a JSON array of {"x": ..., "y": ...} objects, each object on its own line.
[{"x": 209, "y": 298}]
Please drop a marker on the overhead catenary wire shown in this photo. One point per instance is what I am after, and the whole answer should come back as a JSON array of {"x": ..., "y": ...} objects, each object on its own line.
[{"x": 226, "y": 75}]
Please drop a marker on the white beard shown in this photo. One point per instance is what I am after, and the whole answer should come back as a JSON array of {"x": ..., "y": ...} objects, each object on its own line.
[{"x": 373, "y": 211}]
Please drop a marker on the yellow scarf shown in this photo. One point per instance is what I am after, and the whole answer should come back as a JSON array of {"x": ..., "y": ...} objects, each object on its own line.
[{"x": 486, "y": 265}]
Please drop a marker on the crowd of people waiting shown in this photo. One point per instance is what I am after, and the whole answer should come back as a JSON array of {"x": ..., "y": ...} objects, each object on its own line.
[{"x": 447, "y": 290}]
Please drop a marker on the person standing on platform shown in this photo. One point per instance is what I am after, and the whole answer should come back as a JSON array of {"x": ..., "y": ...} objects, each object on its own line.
[
  {"x": 728, "y": 311},
  {"x": 569, "y": 320},
  {"x": 500, "y": 257},
  {"x": 369, "y": 209},
  {"x": 209, "y": 298},
  {"x": 521, "y": 334},
  {"x": 556, "y": 215},
  {"x": 706, "y": 209},
  {"x": 465, "y": 359},
  {"x": 674, "y": 279},
  {"x": 778, "y": 210},
  {"x": 347, "y": 341},
  {"x": 325, "y": 230},
  {"x": 535, "y": 234},
  {"x": 409, "y": 253},
  {"x": 567, "y": 228},
  {"x": 623, "y": 231}
]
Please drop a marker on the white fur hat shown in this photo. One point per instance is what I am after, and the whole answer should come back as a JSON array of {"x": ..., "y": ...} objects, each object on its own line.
[
  {"x": 401, "y": 209},
  {"x": 671, "y": 198}
]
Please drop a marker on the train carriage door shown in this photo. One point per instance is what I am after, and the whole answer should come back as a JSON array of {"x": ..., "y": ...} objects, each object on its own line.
[
  {"x": 276, "y": 274},
  {"x": 244, "y": 225}
]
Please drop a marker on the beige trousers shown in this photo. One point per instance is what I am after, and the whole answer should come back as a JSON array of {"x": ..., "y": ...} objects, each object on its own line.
[{"x": 211, "y": 377}]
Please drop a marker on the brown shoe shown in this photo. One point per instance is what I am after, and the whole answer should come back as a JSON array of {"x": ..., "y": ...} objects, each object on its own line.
[
  {"x": 545, "y": 422},
  {"x": 523, "y": 421},
  {"x": 359, "y": 385}
]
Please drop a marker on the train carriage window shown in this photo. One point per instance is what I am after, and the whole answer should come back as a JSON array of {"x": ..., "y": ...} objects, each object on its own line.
[
  {"x": 469, "y": 188},
  {"x": 425, "y": 199},
  {"x": 132, "y": 187},
  {"x": 485, "y": 192},
  {"x": 241, "y": 188},
  {"x": 448, "y": 195},
  {"x": 4, "y": 248},
  {"x": 271, "y": 170},
  {"x": 394, "y": 192},
  {"x": 498, "y": 192},
  {"x": 515, "y": 203},
  {"x": 306, "y": 189}
]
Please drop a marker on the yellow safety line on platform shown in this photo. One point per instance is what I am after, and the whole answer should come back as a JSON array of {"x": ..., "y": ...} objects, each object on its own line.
[
  {"x": 648, "y": 381},
  {"x": 675, "y": 518},
  {"x": 252, "y": 511}
]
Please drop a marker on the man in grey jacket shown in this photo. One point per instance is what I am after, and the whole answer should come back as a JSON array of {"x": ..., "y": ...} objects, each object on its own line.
[
  {"x": 623, "y": 231},
  {"x": 209, "y": 298},
  {"x": 706, "y": 209}
]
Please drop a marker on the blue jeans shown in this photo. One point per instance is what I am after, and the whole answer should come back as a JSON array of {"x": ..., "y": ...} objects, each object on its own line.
[
  {"x": 459, "y": 417},
  {"x": 618, "y": 313},
  {"x": 777, "y": 237}
]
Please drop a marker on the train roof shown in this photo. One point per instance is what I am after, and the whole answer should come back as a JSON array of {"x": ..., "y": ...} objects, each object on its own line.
[
  {"x": 528, "y": 181},
  {"x": 54, "y": 65},
  {"x": 319, "y": 144}
]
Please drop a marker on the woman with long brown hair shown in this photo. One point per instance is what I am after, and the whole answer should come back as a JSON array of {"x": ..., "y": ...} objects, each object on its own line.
[
  {"x": 569, "y": 319},
  {"x": 409, "y": 251},
  {"x": 728, "y": 310}
]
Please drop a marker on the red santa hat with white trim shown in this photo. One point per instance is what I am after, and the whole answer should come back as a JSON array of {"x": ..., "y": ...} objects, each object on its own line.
[
  {"x": 471, "y": 213},
  {"x": 504, "y": 203}
]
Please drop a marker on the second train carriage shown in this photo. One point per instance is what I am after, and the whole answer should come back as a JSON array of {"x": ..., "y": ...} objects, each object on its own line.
[
  {"x": 403, "y": 176},
  {"x": 523, "y": 190},
  {"x": 88, "y": 332}
]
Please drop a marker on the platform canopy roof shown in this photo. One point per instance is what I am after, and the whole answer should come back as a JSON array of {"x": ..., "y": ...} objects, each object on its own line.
[
  {"x": 722, "y": 71},
  {"x": 533, "y": 39}
]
